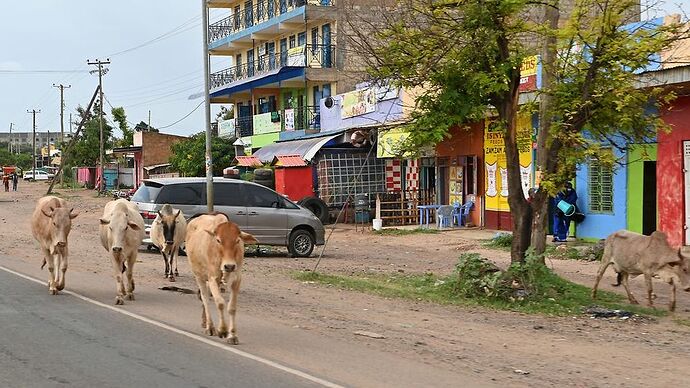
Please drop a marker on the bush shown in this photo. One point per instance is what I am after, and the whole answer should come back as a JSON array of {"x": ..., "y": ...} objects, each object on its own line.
[
  {"x": 500, "y": 240},
  {"x": 477, "y": 276}
]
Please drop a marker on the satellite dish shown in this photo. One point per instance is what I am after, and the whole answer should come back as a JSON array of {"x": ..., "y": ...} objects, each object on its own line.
[{"x": 329, "y": 102}]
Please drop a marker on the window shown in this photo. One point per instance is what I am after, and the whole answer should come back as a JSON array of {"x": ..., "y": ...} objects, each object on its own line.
[
  {"x": 600, "y": 188},
  {"x": 182, "y": 194},
  {"x": 261, "y": 197},
  {"x": 292, "y": 41},
  {"x": 227, "y": 194},
  {"x": 301, "y": 39}
]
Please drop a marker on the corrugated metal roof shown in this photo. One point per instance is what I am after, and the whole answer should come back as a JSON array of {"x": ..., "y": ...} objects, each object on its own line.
[
  {"x": 248, "y": 161},
  {"x": 294, "y": 160},
  {"x": 306, "y": 148}
]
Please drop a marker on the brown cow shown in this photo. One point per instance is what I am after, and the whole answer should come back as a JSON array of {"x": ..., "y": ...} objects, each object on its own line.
[
  {"x": 633, "y": 254},
  {"x": 51, "y": 223},
  {"x": 215, "y": 250}
]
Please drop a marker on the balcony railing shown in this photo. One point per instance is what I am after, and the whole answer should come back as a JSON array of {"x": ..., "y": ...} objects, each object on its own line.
[
  {"x": 313, "y": 56},
  {"x": 304, "y": 118},
  {"x": 261, "y": 11}
]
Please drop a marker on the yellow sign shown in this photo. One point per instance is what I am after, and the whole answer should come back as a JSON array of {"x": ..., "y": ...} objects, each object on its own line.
[
  {"x": 529, "y": 66},
  {"x": 496, "y": 166},
  {"x": 389, "y": 143},
  {"x": 358, "y": 102}
]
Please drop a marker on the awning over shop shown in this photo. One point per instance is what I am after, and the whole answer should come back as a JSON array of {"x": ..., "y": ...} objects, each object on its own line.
[
  {"x": 248, "y": 161},
  {"x": 289, "y": 161},
  {"x": 154, "y": 166},
  {"x": 125, "y": 150},
  {"x": 305, "y": 148},
  {"x": 273, "y": 76}
]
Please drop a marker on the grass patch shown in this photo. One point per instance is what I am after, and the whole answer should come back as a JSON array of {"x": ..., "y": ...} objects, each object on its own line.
[
  {"x": 681, "y": 321},
  {"x": 405, "y": 232},
  {"x": 476, "y": 282},
  {"x": 502, "y": 241}
]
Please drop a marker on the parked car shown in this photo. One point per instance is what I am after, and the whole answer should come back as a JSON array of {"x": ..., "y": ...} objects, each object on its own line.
[
  {"x": 270, "y": 217},
  {"x": 37, "y": 175}
]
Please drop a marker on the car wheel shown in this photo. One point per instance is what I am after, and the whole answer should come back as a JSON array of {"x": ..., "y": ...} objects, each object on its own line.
[{"x": 301, "y": 243}]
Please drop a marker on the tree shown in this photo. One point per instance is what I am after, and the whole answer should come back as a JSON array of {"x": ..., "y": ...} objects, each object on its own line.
[
  {"x": 188, "y": 155},
  {"x": 225, "y": 113},
  {"x": 127, "y": 134},
  {"x": 467, "y": 56},
  {"x": 86, "y": 150},
  {"x": 22, "y": 160}
]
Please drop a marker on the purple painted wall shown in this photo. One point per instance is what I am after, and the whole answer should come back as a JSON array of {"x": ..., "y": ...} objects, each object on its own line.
[{"x": 387, "y": 111}]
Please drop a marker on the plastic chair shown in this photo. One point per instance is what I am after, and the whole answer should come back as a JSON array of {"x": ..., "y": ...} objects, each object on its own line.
[
  {"x": 460, "y": 214},
  {"x": 444, "y": 216}
]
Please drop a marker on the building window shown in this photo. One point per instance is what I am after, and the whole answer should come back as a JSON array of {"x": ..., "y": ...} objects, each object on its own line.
[{"x": 600, "y": 188}]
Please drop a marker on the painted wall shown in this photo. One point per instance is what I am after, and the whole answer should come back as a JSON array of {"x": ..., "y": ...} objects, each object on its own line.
[
  {"x": 388, "y": 110},
  {"x": 670, "y": 170},
  {"x": 636, "y": 158},
  {"x": 600, "y": 225}
]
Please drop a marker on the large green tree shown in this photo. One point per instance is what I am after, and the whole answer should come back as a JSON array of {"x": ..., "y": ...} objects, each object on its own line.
[
  {"x": 120, "y": 118},
  {"x": 86, "y": 149},
  {"x": 188, "y": 155},
  {"x": 463, "y": 59},
  {"x": 22, "y": 160}
]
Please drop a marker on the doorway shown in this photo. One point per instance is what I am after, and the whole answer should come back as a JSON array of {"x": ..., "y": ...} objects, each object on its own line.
[{"x": 649, "y": 198}]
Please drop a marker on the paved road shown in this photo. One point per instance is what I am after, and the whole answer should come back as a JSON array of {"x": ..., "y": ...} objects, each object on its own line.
[{"x": 61, "y": 340}]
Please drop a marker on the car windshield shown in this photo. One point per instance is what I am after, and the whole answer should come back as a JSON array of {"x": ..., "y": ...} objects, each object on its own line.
[{"x": 147, "y": 192}]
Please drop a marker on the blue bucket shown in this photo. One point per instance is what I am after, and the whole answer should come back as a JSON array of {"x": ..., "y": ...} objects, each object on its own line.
[{"x": 566, "y": 208}]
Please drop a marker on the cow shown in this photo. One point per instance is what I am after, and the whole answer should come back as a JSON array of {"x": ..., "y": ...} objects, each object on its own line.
[
  {"x": 51, "y": 223},
  {"x": 215, "y": 250},
  {"x": 122, "y": 230},
  {"x": 167, "y": 233},
  {"x": 633, "y": 254}
]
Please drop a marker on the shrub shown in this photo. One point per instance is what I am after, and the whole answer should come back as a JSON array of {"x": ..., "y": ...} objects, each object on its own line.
[
  {"x": 476, "y": 276},
  {"x": 500, "y": 240}
]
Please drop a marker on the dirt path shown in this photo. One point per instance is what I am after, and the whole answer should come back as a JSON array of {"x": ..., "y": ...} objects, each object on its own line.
[{"x": 572, "y": 351}]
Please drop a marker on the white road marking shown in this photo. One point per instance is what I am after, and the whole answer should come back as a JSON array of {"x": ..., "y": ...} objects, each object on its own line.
[{"x": 196, "y": 337}]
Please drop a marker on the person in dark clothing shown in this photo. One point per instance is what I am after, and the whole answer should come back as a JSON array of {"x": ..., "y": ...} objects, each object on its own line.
[
  {"x": 15, "y": 181},
  {"x": 561, "y": 222}
]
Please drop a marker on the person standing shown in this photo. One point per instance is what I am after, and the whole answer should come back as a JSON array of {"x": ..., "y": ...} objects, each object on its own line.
[
  {"x": 15, "y": 181},
  {"x": 6, "y": 182},
  {"x": 561, "y": 221}
]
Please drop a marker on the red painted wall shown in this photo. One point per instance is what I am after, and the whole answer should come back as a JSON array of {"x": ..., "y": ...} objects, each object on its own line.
[
  {"x": 462, "y": 142},
  {"x": 669, "y": 169},
  {"x": 295, "y": 182}
]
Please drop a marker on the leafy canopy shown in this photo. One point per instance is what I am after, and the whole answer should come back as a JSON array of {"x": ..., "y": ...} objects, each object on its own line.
[{"x": 188, "y": 155}]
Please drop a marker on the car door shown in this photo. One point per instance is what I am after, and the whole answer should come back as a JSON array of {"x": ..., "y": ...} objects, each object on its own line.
[
  {"x": 266, "y": 216},
  {"x": 228, "y": 199},
  {"x": 187, "y": 197}
]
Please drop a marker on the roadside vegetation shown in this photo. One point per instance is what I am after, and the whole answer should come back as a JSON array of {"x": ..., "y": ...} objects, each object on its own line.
[
  {"x": 529, "y": 288},
  {"x": 405, "y": 232}
]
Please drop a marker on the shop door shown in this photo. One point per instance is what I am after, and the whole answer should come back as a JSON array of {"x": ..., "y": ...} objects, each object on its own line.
[{"x": 649, "y": 198}]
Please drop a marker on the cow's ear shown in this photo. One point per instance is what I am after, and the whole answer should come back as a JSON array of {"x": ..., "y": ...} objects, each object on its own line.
[
  {"x": 210, "y": 232},
  {"x": 134, "y": 225},
  {"x": 104, "y": 221},
  {"x": 248, "y": 238},
  {"x": 178, "y": 213},
  {"x": 72, "y": 214},
  {"x": 49, "y": 213}
]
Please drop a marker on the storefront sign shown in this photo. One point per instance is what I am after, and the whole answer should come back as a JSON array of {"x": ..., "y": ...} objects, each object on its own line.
[
  {"x": 358, "y": 102},
  {"x": 296, "y": 57},
  {"x": 289, "y": 119},
  {"x": 496, "y": 166},
  {"x": 266, "y": 123},
  {"x": 390, "y": 142},
  {"x": 226, "y": 128},
  {"x": 531, "y": 66}
]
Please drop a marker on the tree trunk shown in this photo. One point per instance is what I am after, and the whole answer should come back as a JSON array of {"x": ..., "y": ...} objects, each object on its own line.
[{"x": 540, "y": 201}]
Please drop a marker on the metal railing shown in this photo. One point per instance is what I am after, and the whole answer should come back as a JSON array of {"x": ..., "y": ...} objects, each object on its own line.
[
  {"x": 259, "y": 12},
  {"x": 314, "y": 56},
  {"x": 244, "y": 126},
  {"x": 304, "y": 118}
]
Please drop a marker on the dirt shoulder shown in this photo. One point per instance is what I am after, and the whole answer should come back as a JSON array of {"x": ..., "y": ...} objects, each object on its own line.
[{"x": 572, "y": 351}]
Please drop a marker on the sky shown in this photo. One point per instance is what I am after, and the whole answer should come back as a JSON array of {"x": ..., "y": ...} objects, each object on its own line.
[{"x": 154, "y": 46}]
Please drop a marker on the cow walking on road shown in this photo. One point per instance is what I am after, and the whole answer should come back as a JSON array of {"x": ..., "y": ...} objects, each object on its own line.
[
  {"x": 633, "y": 254},
  {"x": 122, "y": 230},
  {"x": 167, "y": 233},
  {"x": 51, "y": 223},
  {"x": 215, "y": 250}
]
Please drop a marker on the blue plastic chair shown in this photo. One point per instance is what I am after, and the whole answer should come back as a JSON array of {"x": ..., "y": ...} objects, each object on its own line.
[
  {"x": 444, "y": 216},
  {"x": 461, "y": 213}
]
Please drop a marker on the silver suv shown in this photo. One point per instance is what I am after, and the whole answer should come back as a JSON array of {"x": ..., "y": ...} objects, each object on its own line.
[{"x": 270, "y": 217}]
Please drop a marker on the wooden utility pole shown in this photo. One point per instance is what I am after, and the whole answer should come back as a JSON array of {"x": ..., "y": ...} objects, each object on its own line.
[
  {"x": 62, "y": 123},
  {"x": 33, "y": 139},
  {"x": 9, "y": 144},
  {"x": 101, "y": 71}
]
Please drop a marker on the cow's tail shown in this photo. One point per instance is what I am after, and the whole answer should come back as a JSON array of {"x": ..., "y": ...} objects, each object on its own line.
[{"x": 44, "y": 263}]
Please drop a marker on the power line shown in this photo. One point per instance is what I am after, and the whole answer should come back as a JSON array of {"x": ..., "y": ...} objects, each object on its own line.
[
  {"x": 43, "y": 71},
  {"x": 175, "y": 31},
  {"x": 187, "y": 115}
]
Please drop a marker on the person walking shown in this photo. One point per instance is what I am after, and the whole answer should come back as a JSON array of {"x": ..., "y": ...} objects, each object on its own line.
[
  {"x": 15, "y": 181},
  {"x": 6, "y": 182},
  {"x": 561, "y": 221}
]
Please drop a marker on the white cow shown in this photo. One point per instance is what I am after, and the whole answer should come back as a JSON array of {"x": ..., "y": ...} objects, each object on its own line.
[
  {"x": 122, "y": 230},
  {"x": 51, "y": 223},
  {"x": 167, "y": 233}
]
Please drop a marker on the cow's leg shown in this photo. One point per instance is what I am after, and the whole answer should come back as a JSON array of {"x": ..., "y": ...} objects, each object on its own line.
[
  {"x": 600, "y": 274},
  {"x": 648, "y": 283},
  {"x": 672, "y": 305},
  {"x": 129, "y": 273},
  {"x": 631, "y": 298},
  {"x": 206, "y": 321},
  {"x": 220, "y": 305},
  {"x": 176, "y": 253},
  {"x": 232, "y": 309},
  {"x": 50, "y": 260},
  {"x": 165, "y": 260},
  {"x": 171, "y": 257},
  {"x": 117, "y": 268},
  {"x": 63, "y": 271}
]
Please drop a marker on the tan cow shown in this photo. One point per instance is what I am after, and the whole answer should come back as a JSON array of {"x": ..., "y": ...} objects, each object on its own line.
[
  {"x": 167, "y": 233},
  {"x": 51, "y": 223},
  {"x": 633, "y": 254},
  {"x": 215, "y": 250},
  {"x": 122, "y": 230}
]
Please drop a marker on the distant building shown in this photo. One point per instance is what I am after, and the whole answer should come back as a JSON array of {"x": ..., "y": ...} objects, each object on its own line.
[{"x": 151, "y": 153}]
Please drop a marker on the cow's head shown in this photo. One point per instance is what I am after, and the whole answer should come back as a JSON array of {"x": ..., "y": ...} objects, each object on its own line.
[
  {"x": 61, "y": 223},
  {"x": 118, "y": 224},
  {"x": 681, "y": 269},
  {"x": 230, "y": 242},
  {"x": 169, "y": 223}
]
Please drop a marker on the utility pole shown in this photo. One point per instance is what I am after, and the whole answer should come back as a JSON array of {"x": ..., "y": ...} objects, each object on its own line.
[
  {"x": 62, "y": 123},
  {"x": 207, "y": 103},
  {"x": 33, "y": 138},
  {"x": 149, "y": 118},
  {"x": 101, "y": 71},
  {"x": 9, "y": 145},
  {"x": 70, "y": 123}
]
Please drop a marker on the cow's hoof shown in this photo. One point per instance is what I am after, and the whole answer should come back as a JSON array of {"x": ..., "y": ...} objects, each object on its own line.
[
  {"x": 119, "y": 301},
  {"x": 171, "y": 279},
  {"x": 210, "y": 331},
  {"x": 61, "y": 286},
  {"x": 223, "y": 332},
  {"x": 177, "y": 273},
  {"x": 53, "y": 291},
  {"x": 233, "y": 340},
  {"x": 130, "y": 296}
]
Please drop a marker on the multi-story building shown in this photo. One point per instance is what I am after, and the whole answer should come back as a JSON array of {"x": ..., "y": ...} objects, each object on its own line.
[
  {"x": 282, "y": 58},
  {"x": 21, "y": 141}
]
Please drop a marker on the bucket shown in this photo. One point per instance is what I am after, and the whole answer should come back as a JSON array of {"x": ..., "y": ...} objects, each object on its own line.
[
  {"x": 566, "y": 208},
  {"x": 378, "y": 223}
]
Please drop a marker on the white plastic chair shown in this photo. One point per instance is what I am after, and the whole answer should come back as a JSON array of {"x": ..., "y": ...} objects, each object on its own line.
[{"x": 444, "y": 216}]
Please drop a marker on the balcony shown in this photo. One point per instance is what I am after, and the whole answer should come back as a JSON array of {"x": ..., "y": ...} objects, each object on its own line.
[
  {"x": 305, "y": 118},
  {"x": 265, "y": 16},
  {"x": 308, "y": 56}
]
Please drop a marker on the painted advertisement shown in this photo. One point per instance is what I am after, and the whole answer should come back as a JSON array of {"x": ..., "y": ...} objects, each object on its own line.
[
  {"x": 529, "y": 74},
  {"x": 289, "y": 119},
  {"x": 266, "y": 123},
  {"x": 226, "y": 128},
  {"x": 389, "y": 142},
  {"x": 496, "y": 167},
  {"x": 296, "y": 57},
  {"x": 358, "y": 102}
]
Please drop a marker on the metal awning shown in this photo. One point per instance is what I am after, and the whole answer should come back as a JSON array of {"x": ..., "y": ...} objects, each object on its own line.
[
  {"x": 305, "y": 148},
  {"x": 148, "y": 168},
  {"x": 273, "y": 76},
  {"x": 289, "y": 161},
  {"x": 126, "y": 150},
  {"x": 248, "y": 161}
]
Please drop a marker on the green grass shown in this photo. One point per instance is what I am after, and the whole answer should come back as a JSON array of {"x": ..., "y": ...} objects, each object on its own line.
[
  {"x": 560, "y": 297},
  {"x": 681, "y": 321},
  {"x": 405, "y": 232}
]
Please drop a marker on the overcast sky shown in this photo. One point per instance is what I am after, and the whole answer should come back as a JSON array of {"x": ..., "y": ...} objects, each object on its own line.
[{"x": 60, "y": 35}]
